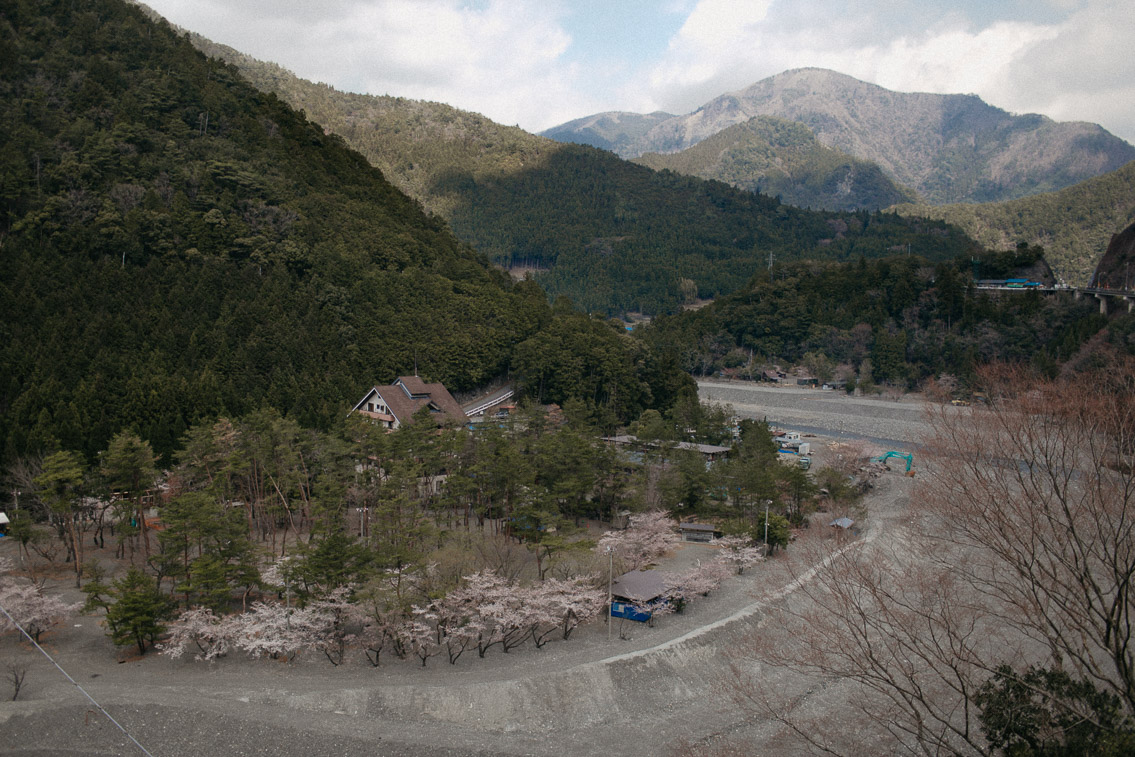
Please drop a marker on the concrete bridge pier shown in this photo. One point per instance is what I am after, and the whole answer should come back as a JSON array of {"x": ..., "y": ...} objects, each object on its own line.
[{"x": 1103, "y": 304}]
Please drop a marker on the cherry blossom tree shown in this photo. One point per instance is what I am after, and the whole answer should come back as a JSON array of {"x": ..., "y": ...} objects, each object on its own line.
[
  {"x": 647, "y": 537},
  {"x": 485, "y": 596},
  {"x": 376, "y": 633},
  {"x": 337, "y": 622},
  {"x": 459, "y": 624},
  {"x": 386, "y": 603},
  {"x": 700, "y": 580},
  {"x": 459, "y": 638},
  {"x": 212, "y": 634},
  {"x": 276, "y": 631},
  {"x": 31, "y": 609},
  {"x": 503, "y": 609},
  {"x": 571, "y": 602},
  {"x": 738, "y": 552},
  {"x": 420, "y": 636}
]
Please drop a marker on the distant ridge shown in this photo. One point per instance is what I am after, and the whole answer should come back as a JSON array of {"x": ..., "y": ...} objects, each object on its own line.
[
  {"x": 1073, "y": 225},
  {"x": 617, "y": 131},
  {"x": 948, "y": 148},
  {"x": 784, "y": 158}
]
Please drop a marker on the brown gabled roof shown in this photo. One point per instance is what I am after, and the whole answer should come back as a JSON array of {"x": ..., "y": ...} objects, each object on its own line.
[
  {"x": 415, "y": 386},
  {"x": 397, "y": 397}
]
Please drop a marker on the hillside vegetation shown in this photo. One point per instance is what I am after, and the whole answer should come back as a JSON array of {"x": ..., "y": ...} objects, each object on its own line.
[
  {"x": 1074, "y": 225},
  {"x": 415, "y": 143},
  {"x": 612, "y": 236},
  {"x": 178, "y": 245},
  {"x": 897, "y": 321},
  {"x": 948, "y": 148},
  {"x": 784, "y": 159}
]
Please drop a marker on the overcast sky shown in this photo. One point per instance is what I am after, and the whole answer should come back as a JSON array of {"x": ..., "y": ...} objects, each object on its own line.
[{"x": 538, "y": 63}]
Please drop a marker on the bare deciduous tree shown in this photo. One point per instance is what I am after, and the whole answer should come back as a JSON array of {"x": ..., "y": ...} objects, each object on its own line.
[
  {"x": 15, "y": 672},
  {"x": 1037, "y": 489},
  {"x": 1018, "y": 547}
]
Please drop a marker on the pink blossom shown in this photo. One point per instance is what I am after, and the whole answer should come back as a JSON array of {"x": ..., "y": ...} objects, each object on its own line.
[{"x": 647, "y": 537}]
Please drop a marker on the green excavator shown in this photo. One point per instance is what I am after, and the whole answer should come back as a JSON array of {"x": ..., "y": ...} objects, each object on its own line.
[{"x": 883, "y": 458}]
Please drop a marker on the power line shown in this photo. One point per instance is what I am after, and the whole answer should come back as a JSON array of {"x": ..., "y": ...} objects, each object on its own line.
[{"x": 73, "y": 681}]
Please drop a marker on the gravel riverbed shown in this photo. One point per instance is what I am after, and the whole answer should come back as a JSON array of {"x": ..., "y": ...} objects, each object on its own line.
[{"x": 884, "y": 421}]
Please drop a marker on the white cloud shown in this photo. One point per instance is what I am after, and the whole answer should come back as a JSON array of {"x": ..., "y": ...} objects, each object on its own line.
[
  {"x": 1078, "y": 68},
  {"x": 506, "y": 59},
  {"x": 1086, "y": 72},
  {"x": 500, "y": 58}
]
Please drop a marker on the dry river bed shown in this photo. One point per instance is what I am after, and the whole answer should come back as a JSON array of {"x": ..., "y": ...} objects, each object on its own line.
[
  {"x": 827, "y": 412},
  {"x": 640, "y": 695}
]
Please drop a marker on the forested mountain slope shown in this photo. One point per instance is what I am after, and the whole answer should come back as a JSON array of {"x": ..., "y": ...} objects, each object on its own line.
[
  {"x": 897, "y": 320},
  {"x": 414, "y": 142},
  {"x": 616, "y": 237},
  {"x": 784, "y": 159},
  {"x": 178, "y": 244},
  {"x": 948, "y": 148},
  {"x": 1074, "y": 225}
]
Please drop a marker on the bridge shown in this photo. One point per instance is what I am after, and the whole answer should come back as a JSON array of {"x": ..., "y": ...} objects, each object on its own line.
[{"x": 1107, "y": 296}]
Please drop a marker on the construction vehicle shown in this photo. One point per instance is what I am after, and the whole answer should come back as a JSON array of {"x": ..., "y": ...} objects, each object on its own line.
[{"x": 883, "y": 458}]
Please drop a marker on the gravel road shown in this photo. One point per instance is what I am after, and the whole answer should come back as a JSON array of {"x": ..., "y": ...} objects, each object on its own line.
[{"x": 639, "y": 695}]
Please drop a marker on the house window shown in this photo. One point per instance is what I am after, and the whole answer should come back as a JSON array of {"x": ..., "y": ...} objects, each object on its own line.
[{"x": 370, "y": 407}]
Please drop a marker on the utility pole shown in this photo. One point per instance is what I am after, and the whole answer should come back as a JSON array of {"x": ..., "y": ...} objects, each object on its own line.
[
  {"x": 610, "y": 579},
  {"x": 766, "y": 527}
]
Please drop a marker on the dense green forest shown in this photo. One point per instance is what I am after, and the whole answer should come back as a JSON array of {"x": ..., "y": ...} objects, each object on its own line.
[
  {"x": 1073, "y": 224},
  {"x": 178, "y": 245},
  {"x": 616, "y": 236},
  {"x": 897, "y": 320},
  {"x": 619, "y": 237},
  {"x": 784, "y": 159}
]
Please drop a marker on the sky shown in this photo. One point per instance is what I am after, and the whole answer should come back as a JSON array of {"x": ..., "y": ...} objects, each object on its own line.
[{"x": 539, "y": 63}]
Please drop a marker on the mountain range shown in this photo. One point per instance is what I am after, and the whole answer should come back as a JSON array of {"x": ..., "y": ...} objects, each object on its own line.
[
  {"x": 947, "y": 148},
  {"x": 613, "y": 236}
]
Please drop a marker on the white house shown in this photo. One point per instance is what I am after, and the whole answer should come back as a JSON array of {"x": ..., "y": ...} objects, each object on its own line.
[{"x": 394, "y": 406}]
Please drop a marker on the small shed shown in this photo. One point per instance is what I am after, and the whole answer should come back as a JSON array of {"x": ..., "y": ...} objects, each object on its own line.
[
  {"x": 636, "y": 594},
  {"x": 844, "y": 523},
  {"x": 699, "y": 532}
]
